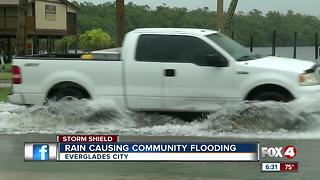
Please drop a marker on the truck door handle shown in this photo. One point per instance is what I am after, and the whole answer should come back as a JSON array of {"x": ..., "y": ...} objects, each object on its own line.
[{"x": 170, "y": 72}]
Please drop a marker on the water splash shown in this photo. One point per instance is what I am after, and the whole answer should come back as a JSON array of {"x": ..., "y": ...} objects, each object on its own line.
[{"x": 294, "y": 120}]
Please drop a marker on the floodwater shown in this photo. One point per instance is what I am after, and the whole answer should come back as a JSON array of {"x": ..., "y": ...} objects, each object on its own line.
[
  {"x": 307, "y": 53},
  {"x": 295, "y": 120},
  {"x": 272, "y": 124}
]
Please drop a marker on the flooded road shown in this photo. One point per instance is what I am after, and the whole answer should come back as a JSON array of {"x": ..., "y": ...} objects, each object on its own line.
[
  {"x": 294, "y": 120},
  {"x": 272, "y": 124}
]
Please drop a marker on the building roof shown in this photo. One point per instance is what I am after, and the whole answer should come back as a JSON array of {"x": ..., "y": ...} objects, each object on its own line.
[
  {"x": 11, "y": 2},
  {"x": 70, "y": 4},
  {"x": 16, "y": 3}
]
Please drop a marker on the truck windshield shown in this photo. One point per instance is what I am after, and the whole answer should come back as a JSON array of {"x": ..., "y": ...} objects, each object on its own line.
[{"x": 236, "y": 50}]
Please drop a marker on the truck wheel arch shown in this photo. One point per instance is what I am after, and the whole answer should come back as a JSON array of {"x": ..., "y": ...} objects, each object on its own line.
[
  {"x": 64, "y": 85},
  {"x": 269, "y": 88}
]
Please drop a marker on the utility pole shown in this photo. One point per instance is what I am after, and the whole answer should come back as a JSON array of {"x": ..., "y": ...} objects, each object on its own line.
[
  {"x": 22, "y": 28},
  {"x": 220, "y": 16},
  {"x": 120, "y": 21}
]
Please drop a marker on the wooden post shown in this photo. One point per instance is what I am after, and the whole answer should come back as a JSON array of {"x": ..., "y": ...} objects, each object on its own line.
[
  {"x": 120, "y": 21},
  {"x": 274, "y": 39},
  {"x": 77, "y": 44},
  {"x": 48, "y": 45},
  {"x": 9, "y": 55},
  {"x": 295, "y": 45},
  {"x": 22, "y": 28},
  {"x": 53, "y": 48},
  {"x": 316, "y": 45},
  {"x": 5, "y": 50},
  {"x": 2, "y": 49},
  {"x": 65, "y": 48},
  {"x": 35, "y": 43},
  {"x": 220, "y": 18},
  {"x": 251, "y": 43}
]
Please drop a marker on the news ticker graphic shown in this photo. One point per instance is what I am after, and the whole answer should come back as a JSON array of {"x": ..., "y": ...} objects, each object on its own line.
[
  {"x": 280, "y": 167},
  {"x": 158, "y": 152},
  {"x": 108, "y": 148}
]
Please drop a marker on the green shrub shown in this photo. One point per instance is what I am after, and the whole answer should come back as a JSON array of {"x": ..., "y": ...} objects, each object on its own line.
[
  {"x": 69, "y": 41},
  {"x": 95, "y": 39}
]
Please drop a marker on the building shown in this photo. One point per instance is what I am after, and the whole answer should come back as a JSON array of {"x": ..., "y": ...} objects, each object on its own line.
[{"x": 47, "y": 19}]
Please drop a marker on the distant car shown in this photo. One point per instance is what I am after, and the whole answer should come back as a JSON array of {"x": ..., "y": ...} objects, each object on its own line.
[{"x": 162, "y": 69}]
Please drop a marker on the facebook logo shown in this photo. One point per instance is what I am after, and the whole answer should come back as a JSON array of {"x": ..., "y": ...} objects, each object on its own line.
[{"x": 41, "y": 152}]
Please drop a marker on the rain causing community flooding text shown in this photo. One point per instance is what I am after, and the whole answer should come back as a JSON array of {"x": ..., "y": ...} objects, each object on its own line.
[{"x": 299, "y": 119}]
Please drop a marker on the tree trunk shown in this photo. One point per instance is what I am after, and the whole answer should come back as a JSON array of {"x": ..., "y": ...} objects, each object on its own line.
[
  {"x": 120, "y": 21},
  {"x": 22, "y": 28},
  {"x": 220, "y": 15},
  {"x": 229, "y": 17}
]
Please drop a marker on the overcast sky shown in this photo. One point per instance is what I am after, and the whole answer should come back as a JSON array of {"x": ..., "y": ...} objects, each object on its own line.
[{"x": 311, "y": 7}]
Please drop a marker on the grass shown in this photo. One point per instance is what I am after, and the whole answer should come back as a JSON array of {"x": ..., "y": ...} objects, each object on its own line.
[
  {"x": 5, "y": 75},
  {"x": 4, "y": 92},
  {"x": 7, "y": 68}
]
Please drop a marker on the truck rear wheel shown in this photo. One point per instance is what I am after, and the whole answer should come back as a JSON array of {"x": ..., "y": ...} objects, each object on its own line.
[
  {"x": 272, "y": 96},
  {"x": 68, "y": 94}
]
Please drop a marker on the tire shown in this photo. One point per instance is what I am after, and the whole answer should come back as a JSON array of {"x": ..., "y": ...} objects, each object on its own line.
[
  {"x": 271, "y": 96},
  {"x": 68, "y": 94}
]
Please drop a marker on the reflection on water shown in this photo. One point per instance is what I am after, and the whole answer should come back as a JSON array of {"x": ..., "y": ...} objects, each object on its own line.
[{"x": 307, "y": 53}]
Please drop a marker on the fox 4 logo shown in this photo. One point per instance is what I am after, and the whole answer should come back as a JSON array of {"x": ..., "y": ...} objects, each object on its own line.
[{"x": 279, "y": 152}]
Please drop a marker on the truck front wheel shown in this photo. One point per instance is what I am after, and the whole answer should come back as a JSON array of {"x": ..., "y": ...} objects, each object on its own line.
[
  {"x": 272, "y": 96},
  {"x": 68, "y": 94}
]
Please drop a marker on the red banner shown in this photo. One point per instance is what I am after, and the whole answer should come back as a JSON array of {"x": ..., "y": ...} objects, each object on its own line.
[{"x": 87, "y": 138}]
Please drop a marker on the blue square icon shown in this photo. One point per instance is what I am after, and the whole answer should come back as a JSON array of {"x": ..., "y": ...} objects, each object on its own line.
[{"x": 41, "y": 152}]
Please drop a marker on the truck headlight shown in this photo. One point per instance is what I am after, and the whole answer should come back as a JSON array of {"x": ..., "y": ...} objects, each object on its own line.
[{"x": 308, "y": 79}]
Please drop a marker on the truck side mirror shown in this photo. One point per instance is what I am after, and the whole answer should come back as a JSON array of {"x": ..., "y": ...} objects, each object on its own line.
[{"x": 216, "y": 60}]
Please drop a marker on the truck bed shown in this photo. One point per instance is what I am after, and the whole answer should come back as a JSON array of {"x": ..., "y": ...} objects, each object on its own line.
[{"x": 39, "y": 73}]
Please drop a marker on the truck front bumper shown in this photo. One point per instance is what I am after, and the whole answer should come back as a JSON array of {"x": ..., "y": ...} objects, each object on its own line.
[{"x": 307, "y": 91}]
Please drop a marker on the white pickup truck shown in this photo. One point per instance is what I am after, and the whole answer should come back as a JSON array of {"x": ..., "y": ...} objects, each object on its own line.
[{"x": 165, "y": 69}]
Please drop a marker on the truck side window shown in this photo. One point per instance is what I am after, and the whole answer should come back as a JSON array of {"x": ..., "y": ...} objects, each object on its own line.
[
  {"x": 174, "y": 48},
  {"x": 152, "y": 48},
  {"x": 145, "y": 48}
]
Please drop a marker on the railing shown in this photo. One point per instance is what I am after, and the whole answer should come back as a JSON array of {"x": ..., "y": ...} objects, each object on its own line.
[
  {"x": 10, "y": 23},
  {"x": 294, "y": 45}
]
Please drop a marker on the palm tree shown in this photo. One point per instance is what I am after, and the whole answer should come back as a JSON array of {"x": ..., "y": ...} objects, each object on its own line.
[
  {"x": 229, "y": 16},
  {"x": 22, "y": 30},
  {"x": 120, "y": 21}
]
